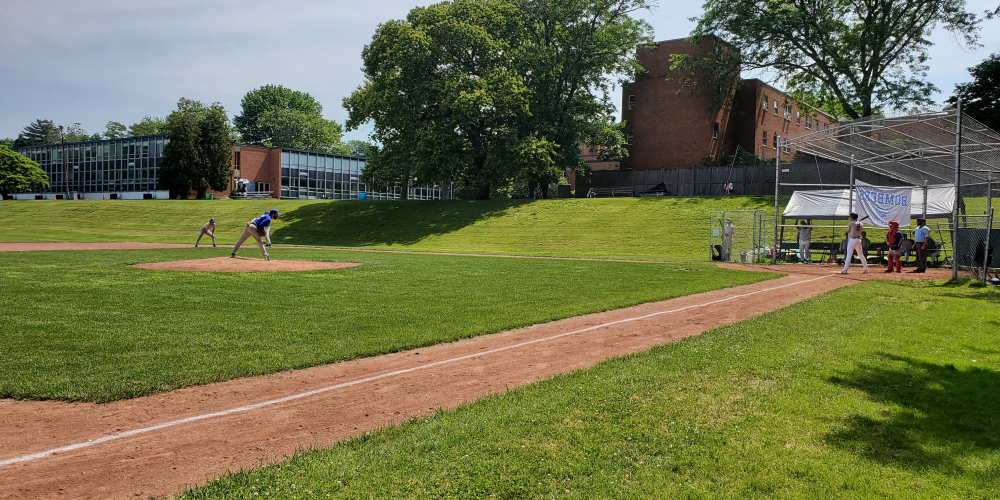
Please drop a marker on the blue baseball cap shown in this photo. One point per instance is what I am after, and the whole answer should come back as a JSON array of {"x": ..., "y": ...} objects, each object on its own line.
[
  {"x": 273, "y": 212},
  {"x": 212, "y": 219}
]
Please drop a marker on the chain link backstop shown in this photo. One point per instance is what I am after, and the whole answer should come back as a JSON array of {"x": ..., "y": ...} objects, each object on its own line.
[{"x": 931, "y": 153}]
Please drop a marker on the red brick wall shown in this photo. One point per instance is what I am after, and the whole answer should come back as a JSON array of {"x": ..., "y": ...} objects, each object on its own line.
[
  {"x": 260, "y": 164},
  {"x": 754, "y": 120},
  {"x": 670, "y": 129}
]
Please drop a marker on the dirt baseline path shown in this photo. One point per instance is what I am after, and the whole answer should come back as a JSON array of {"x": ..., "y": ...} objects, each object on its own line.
[{"x": 158, "y": 445}]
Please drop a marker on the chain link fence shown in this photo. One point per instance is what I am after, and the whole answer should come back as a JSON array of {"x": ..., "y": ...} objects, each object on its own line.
[
  {"x": 738, "y": 236},
  {"x": 949, "y": 162}
]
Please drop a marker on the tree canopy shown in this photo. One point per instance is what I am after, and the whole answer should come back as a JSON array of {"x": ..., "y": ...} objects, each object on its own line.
[
  {"x": 149, "y": 125},
  {"x": 18, "y": 172},
  {"x": 981, "y": 97},
  {"x": 276, "y": 116},
  {"x": 115, "y": 130},
  {"x": 199, "y": 154},
  {"x": 865, "y": 54},
  {"x": 491, "y": 92},
  {"x": 37, "y": 133}
]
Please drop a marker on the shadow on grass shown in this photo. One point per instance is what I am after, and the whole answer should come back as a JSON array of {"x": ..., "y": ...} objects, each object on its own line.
[
  {"x": 932, "y": 415},
  {"x": 364, "y": 223}
]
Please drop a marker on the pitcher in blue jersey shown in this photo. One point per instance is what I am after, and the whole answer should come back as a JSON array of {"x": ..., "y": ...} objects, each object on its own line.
[{"x": 257, "y": 228}]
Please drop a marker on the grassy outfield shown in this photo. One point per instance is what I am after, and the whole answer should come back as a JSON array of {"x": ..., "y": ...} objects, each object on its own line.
[
  {"x": 874, "y": 391},
  {"x": 645, "y": 228},
  {"x": 84, "y": 326}
]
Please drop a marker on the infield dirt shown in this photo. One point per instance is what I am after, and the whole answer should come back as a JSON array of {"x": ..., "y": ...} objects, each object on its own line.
[
  {"x": 243, "y": 265},
  {"x": 279, "y": 414}
]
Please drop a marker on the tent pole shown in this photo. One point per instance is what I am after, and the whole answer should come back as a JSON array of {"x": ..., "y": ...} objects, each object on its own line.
[
  {"x": 958, "y": 178},
  {"x": 850, "y": 189},
  {"x": 924, "y": 213},
  {"x": 777, "y": 179}
]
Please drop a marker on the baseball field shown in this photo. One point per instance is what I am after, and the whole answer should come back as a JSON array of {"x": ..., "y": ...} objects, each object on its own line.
[{"x": 874, "y": 388}]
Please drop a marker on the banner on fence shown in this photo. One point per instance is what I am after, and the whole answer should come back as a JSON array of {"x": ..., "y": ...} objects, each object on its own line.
[{"x": 883, "y": 204}]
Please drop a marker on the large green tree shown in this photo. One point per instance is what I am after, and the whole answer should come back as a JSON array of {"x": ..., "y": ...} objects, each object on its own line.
[
  {"x": 18, "y": 172},
  {"x": 276, "y": 116},
  {"x": 37, "y": 133},
  {"x": 7, "y": 141},
  {"x": 865, "y": 54},
  {"x": 149, "y": 125},
  {"x": 115, "y": 130},
  {"x": 491, "y": 92},
  {"x": 981, "y": 96},
  {"x": 199, "y": 154}
]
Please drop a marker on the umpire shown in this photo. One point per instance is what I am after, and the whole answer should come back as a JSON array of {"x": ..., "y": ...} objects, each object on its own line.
[{"x": 921, "y": 237}]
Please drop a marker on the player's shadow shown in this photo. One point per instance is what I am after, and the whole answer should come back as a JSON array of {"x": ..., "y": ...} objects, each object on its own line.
[
  {"x": 365, "y": 223},
  {"x": 932, "y": 414}
]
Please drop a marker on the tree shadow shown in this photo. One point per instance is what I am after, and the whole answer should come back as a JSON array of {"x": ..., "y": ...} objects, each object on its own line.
[
  {"x": 365, "y": 223},
  {"x": 932, "y": 416}
]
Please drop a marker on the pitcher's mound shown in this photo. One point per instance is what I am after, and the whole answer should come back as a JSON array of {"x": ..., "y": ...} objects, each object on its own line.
[{"x": 244, "y": 265}]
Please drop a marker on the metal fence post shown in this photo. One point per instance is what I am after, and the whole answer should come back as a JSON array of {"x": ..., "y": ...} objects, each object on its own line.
[
  {"x": 989, "y": 222},
  {"x": 777, "y": 191},
  {"x": 958, "y": 189}
]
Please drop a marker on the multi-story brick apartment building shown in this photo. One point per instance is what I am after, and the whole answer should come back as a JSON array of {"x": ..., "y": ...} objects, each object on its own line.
[{"x": 673, "y": 127}]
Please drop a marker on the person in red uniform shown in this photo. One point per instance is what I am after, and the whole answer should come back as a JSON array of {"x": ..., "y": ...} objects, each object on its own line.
[{"x": 894, "y": 238}]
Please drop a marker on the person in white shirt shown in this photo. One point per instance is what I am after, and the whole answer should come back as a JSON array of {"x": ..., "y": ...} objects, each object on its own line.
[
  {"x": 208, "y": 229},
  {"x": 727, "y": 240},
  {"x": 854, "y": 229},
  {"x": 804, "y": 238}
]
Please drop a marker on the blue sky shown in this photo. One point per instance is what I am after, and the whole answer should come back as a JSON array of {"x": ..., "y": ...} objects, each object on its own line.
[{"x": 92, "y": 61}]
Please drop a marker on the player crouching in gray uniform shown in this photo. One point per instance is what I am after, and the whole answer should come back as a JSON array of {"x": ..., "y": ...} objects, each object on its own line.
[{"x": 257, "y": 228}]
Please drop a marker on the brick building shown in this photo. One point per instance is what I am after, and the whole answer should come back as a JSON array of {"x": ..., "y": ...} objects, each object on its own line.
[{"x": 673, "y": 127}]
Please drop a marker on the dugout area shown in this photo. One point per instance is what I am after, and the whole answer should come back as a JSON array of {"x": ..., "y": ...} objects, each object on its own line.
[{"x": 950, "y": 161}]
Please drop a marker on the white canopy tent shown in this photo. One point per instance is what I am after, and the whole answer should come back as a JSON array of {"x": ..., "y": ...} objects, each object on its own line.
[{"x": 835, "y": 203}]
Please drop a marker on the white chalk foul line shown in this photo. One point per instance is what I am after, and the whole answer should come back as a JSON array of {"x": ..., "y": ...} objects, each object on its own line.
[{"x": 240, "y": 409}]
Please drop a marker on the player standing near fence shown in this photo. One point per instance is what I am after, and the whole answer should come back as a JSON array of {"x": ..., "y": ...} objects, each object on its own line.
[
  {"x": 804, "y": 235},
  {"x": 257, "y": 228},
  {"x": 920, "y": 237},
  {"x": 894, "y": 239},
  {"x": 854, "y": 229},
  {"x": 208, "y": 229}
]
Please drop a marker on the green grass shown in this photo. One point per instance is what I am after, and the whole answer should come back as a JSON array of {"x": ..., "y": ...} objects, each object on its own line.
[
  {"x": 880, "y": 390},
  {"x": 83, "y": 326},
  {"x": 643, "y": 228}
]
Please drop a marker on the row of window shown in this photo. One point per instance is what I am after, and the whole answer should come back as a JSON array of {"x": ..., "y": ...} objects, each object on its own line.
[
  {"x": 111, "y": 165},
  {"x": 798, "y": 114}
]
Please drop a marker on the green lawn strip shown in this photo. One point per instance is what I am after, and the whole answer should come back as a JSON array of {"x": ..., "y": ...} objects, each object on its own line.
[
  {"x": 880, "y": 390},
  {"x": 83, "y": 326},
  {"x": 644, "y": 228}
]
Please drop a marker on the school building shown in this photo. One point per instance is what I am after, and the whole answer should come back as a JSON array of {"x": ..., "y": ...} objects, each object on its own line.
[{"x": 128, "y": 168}]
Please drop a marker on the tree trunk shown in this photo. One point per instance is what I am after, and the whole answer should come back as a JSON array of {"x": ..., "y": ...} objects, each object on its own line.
[{"x": 484, "y": 192}]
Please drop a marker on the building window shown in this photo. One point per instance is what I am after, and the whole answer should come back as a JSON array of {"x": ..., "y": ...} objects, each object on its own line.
[
  {"x": 628, "y": 138},
  {"x": 809, "y": 121},
  {"x": 788, "y": 112},
  {"x": 775, "y": 107},
  {"x": 826, "y": 129},
  {"x": 765, "y": 102},
  {"x": 798, "y": 118},
  {"x": 715, "y": 130},
  {"x": 631, "y": 102},
  {"x": 774, "y": 140},
  {"x": 764, "y": 140},
  {"x": 785, "y": 145}
]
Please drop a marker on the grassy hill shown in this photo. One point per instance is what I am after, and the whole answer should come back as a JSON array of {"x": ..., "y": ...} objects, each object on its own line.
[{"x": 643, "y": 228}]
